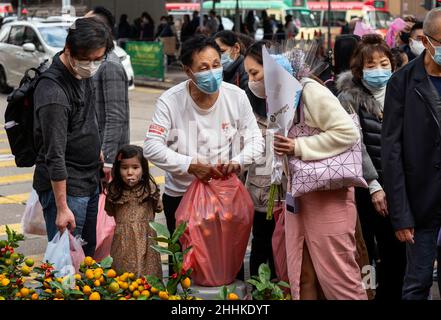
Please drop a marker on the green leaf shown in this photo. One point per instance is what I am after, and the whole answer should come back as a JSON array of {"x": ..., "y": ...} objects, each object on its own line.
[
  {"x": 106, "y": 263},
  {"x": 187, "y": 250},
  {"x": 161, "y": 230},
  {"x": 56, "y": 284},
  {"x": 283, "y": 284},
  {"x": 172, "y": 286},
  {"x": 264, "y": 273},
  {"x": 179, "y": 256},
  {"x": 179, "y": 231},
  {"x": 174, "y": 247},
  {"x": 155, "y": 282},
  {"x": 161, "y": 239},
  {"x": 277, "y": 292},
  {"x": 75, "y": 292},
  {"x": 223, "y": 293},
  {"x": 253, "y": 282},
  {"x": 142, "y": 298},
  {"x": 161, "y": 250},
  {"x": 261, "y": 286}
]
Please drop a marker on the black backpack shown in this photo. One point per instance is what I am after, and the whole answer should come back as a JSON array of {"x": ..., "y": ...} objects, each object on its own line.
[{"x": 19, "y": 114}]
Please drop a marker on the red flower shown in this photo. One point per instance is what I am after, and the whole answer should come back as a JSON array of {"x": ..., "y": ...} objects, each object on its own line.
[
  {"x": 174, "y": 276},
  {"x": 183, "y": 272}
]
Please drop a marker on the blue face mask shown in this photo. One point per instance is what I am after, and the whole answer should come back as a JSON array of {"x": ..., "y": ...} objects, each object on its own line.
[
  {"x": 226, "y": 60},
  {"x": 437, "y": 56},
  {"x": 208, "y": 81},
  {"x": 377, "y": 78}
]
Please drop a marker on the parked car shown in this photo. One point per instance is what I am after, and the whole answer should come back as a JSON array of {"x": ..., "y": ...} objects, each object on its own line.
[{"x": 26, "y": 44}]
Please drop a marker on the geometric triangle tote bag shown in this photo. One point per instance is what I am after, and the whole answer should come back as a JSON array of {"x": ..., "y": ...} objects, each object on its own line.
[{"x": 342, "y": 170}]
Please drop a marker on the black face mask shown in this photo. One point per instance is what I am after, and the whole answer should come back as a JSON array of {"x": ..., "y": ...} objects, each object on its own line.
[{"x": 404, "y": 36}]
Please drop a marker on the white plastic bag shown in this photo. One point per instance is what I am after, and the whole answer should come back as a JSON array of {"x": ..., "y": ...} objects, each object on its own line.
[
  {"x": 33, "y": 220},
  {"x": 58, "y": 254},
  {"x": 76, "y": 250}
]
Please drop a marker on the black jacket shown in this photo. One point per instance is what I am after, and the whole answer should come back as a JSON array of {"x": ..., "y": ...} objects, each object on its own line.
[
  {"x": 411, "y": 153},
  {"x": 66, "y": 133},
  {"x": 236, "y": 74},
  {"x": 408, "y": 52},
  {"x": 354, "y": 95}
]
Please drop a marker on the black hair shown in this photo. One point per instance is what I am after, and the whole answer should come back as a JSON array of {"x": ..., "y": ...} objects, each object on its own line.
[
  {"x": 148, "y": 17},
  {"x": 255, "y": 50},
  {"x": 123, "y": 18},
  {"x": 344, "y": 47},
  {"x": 106, "y": 14},
  {"x": 87, "y": 35},
  {"x": 227, "y": 37},
  {"x": 369, "y": 44},
  {"x": 418, "y": 25},
  {"x": 245, "y": 41},
  {"x": 116, "y": 186},
  {"x": 288, "y": 19},
  {"x": 194, "y": 45},
  {"x": 398, "y": 54}
]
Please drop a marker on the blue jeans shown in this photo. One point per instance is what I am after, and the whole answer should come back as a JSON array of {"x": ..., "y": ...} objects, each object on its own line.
[
  {"x": 85, "y": 210},
  {"x": 420, "y": 259}
]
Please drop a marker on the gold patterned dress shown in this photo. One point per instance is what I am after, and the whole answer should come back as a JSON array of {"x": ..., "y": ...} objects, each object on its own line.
[{"x": 131, "y": 251}]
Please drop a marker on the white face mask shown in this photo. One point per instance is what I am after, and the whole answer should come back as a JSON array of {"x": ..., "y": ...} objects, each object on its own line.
[
  {"x": 85, "y": 69},
  {"x": 416, "y": 47},
  {"x": 257, "y": 88}
]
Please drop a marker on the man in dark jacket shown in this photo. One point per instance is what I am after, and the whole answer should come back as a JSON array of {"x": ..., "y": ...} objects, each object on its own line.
[
  {"x": 112, "y": 100},
  {"x": 414, "y": 47},
  {"x": 66, "y": 134},
  {"x": 411, "y": 158}
]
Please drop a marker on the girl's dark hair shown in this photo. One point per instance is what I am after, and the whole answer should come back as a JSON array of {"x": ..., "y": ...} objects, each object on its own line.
[
  {"x": 87, "y": 35},
  {"x": 368, "y": 45},
  {"x": 255, "y": 50},
  {"x": 196, "y": 44},
  {"x": 116, "y": 186}
]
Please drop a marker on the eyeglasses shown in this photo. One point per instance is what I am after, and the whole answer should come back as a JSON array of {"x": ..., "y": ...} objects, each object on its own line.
[
  {"x": 432, "y": 38},
  {"x": 96, "y": 61}
]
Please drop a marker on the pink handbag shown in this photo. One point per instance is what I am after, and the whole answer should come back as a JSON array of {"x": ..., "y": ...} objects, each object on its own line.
[{"x": 343, "y": 170}]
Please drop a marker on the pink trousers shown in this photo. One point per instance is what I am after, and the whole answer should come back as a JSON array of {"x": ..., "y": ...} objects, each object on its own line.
[{"x": 326, "y": 223}]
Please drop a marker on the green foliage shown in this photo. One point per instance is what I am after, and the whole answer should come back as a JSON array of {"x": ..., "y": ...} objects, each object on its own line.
[{"x": 265, "y": 289}]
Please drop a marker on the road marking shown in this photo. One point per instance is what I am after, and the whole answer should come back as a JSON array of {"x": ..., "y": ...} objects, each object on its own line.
[
  {"x": 2, "y": 132},
  {"x": 20, "y": 178},
  {"x": 14, "y": 199},
  {"x": 7, "y": 163},
  {"x": 5, "y": 151},
  {"x": 3, "y": 140},
  {"x": 13, "y": 226},
  {"x": 148, "y": 90},
  {"x": 160, "y": 180}
]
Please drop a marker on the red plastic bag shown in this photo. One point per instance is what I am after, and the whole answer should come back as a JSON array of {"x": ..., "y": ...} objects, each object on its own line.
[
  {"x": 278, "y": 242},
  {"x": 76, "y": 251},
  {"x": 220, "y": 216},
  {"x": 105, "y": 227}
]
